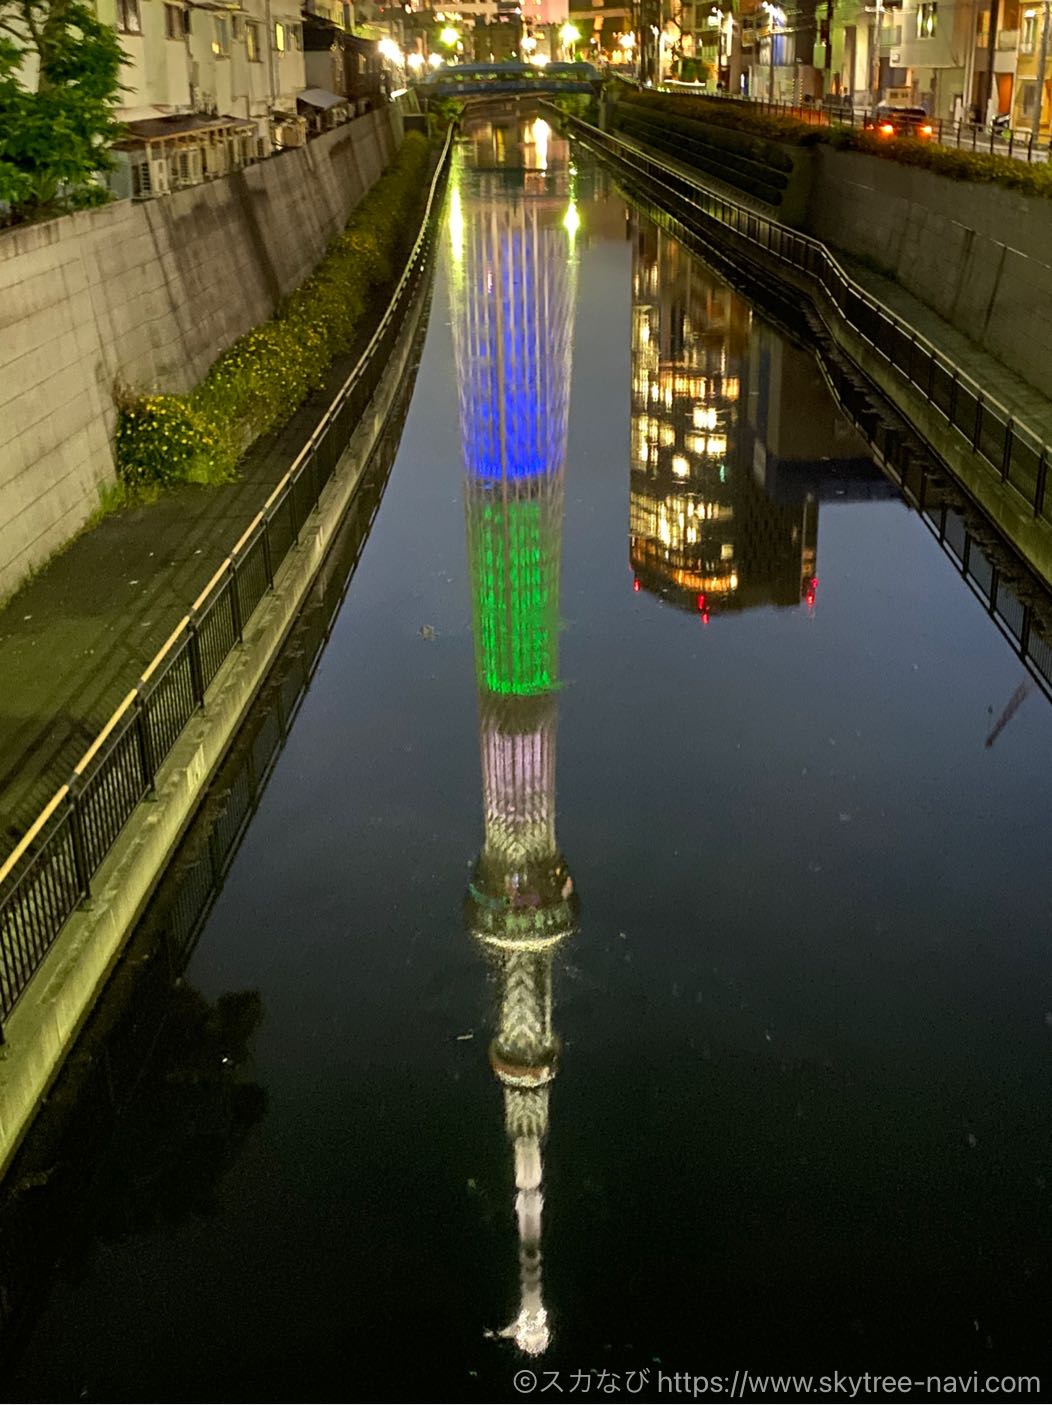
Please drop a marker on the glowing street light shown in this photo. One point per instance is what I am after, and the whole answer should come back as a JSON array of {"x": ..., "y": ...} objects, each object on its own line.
[
  {"x": 569, "y": 35},
  {"x": 390, "y": 51},
  {"x": 416, "y": 61},
  {"x": 627, "y": 42},
  {"x": 529, "y": 43},
  {"x": 449, "y": 36},
  {"x": 435, "y": 60}
]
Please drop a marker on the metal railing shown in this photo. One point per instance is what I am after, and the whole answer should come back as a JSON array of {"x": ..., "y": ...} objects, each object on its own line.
[
  {"x": 961, "y": 136},
  {"x": 1014, "y": 452},
  {"x": 1017, "y": 455},
  {"x": 49, "y": 874}
]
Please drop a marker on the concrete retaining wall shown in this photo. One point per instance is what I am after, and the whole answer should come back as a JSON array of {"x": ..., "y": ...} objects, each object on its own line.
[
  {"x": 45, "y": 1022},
  {"x": 148, "y": 294},
  {"x": 979, "y": 255}
]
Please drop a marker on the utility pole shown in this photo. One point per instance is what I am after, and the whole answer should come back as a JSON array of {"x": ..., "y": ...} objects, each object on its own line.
[
  {"x": 877, "y": 25},
  {"x": 1041, "y": 60},
  {"x": 986, "y": 88}
]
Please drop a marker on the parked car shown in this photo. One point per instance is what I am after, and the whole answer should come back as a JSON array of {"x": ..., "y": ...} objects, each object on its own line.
[{"x": 902, "y": 122}]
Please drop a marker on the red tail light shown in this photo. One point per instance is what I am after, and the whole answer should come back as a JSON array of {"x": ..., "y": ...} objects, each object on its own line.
[{"x": 886, "y": 129}]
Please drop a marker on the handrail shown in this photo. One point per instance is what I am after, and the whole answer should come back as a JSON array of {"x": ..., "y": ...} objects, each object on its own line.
[
  {"x": 48, "y": 873},
  {"x": 782, "y": 242}
]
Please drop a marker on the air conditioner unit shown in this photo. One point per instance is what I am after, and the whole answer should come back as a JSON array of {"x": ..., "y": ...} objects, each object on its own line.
[{"x": 289, "y": 134}]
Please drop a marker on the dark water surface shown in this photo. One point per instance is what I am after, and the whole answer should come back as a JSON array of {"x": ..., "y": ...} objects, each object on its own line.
[{"x": 731, "y": 1051}]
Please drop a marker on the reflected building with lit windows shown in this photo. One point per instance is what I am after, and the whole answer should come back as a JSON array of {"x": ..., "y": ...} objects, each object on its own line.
[
  {"x": 512, "y": 279},
  {"x": 703, "y": 534}
]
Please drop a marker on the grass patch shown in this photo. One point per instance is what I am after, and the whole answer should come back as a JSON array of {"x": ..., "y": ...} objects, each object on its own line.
[{"x": 259, "y": 381}]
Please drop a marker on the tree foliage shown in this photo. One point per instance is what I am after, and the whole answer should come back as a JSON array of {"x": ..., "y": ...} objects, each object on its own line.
[{"x": 59, "y": 87}]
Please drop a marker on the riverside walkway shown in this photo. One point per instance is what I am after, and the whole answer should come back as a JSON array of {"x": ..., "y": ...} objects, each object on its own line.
[{"x": 78, "y": 634}]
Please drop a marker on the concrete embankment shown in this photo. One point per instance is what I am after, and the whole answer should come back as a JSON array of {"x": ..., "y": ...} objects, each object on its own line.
[
  {"x": 979, "y": 256},
  {"x": 740, "y": 239},
  {"x": 43, "y": 1025},
  {"x": 976, "y": 254},
  {"x": 148, "y": 294}
]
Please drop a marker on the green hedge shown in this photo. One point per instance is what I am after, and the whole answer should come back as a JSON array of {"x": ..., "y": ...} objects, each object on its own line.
[
  {"x": 736, "y": 117},
  {"x": 744, "y": 118},
  {"x": 261, "y": 379},
  {"x": 692, "y": 141}
]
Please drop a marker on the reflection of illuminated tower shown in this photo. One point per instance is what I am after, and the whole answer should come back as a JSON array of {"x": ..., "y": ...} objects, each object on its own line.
[
  {"x": 703, "y": 534},
  {"x": 512, "y": 280}
]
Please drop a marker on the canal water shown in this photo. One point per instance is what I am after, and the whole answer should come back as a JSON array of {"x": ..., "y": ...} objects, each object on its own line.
[{"x": 638, "y": 961}]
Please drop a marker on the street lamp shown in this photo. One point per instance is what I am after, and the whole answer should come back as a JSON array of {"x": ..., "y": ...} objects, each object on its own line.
[
  {"x": 569, "y": 35},
  {"x": 449, "y": 37}
]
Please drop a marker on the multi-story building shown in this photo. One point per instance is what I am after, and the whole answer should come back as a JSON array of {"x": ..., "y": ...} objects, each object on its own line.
[
  {"x": 1022, "y": 99},
  {"x": 703, "y": 533},
  {"x": 929, "y": 53},
  {"x": 207, "y": 86},
  {"x": 602, "y": 25}
]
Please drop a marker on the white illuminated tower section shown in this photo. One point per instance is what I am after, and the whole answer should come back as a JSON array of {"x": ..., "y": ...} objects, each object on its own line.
[{"x": 513, "y": 280}]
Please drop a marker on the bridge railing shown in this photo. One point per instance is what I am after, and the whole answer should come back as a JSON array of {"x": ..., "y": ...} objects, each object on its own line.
[{"x": 50, "y": 873}]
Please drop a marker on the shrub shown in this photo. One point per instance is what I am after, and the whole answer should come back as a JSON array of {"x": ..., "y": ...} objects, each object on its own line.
[
  {"x": 157, "y": 439},
  {"x": 261, "y": 379}
]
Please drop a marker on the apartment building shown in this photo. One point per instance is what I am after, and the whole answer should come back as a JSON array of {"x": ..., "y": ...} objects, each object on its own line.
[{"x": 208, "y": 86}]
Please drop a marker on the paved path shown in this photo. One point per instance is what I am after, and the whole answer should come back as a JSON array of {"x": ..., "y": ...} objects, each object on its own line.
[
  {"x": 1026, "y": 404},
  {"x": 76, "y": 637}
]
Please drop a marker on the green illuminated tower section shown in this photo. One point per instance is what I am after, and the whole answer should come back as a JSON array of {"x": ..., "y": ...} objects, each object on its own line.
[{"x": 512, "y": 277}]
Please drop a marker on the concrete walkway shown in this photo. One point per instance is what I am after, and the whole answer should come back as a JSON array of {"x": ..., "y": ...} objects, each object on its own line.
[
  {"x": 77, "y": 636},
  {"x": 1026, "y": 404}
]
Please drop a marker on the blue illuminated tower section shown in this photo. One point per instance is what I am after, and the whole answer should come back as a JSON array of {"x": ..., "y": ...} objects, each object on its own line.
[{"x": 513, "y": 281}]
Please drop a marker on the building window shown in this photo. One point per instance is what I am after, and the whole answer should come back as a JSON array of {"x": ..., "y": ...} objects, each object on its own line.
[
  {"x": 237, "y": 25},
  {"x": 1028, "y": 38},
  {"x": 281, "y": 40},
  {"x": 173, "y": 22},
  {"x": 253, "y": 47},
  {"x": 129, "y": 21},
  {"x": 296, "y": 31},
  {"x": 221, "y": 36},
  {"x": 926, "y": 17}
]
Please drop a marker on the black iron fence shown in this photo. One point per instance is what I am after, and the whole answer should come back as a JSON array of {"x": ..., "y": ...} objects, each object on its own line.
[
  {"x": 962, "y": 136},
  {"x": 50, "y": 873},
  {"x": 1017, "y": 456},
  {"x": 1010, "y": 449}
]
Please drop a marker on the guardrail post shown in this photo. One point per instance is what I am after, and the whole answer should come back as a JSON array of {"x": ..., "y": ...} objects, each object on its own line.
[
  {"x": 977, "y": 427},
  {"x": 144, "y": 740},
  {"x": 235, "y": 603},
  {"x": 1039, "y": 486},
  {"x": 1006, "y": 451},
  {"x": 76, "y": 831},
  {"x": 1024, "y": 632},
  {"x": 952, "y": 416},
  {"x": 268, "y": 555},
  {"x": 197, "y": 676}
]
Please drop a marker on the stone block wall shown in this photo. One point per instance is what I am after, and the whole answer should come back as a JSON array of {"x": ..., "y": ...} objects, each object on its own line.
[
  {"x": 979, "y": 255},
  {"x": 148, "y": 294}
]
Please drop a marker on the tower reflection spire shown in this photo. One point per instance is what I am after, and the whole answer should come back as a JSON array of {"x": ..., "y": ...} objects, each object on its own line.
[{"x": 512, "y": 288}]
